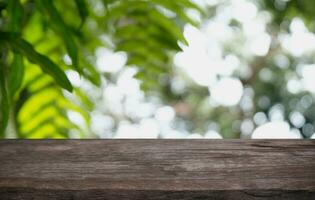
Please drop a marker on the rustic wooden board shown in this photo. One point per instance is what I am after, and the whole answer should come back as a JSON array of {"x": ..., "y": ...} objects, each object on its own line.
[{"x": 157, "y": 169}]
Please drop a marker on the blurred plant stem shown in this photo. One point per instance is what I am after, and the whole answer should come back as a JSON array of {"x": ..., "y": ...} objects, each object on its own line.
[{"x": 11, "y": 131}]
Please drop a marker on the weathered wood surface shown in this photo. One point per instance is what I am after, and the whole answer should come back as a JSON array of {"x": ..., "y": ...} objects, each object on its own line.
[{"x": 157, "y": 169}]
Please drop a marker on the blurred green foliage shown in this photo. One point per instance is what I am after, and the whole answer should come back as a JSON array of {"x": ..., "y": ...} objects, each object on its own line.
[
  {"x": 41, "y": 40},
  {"x": 35, "y": 36}
]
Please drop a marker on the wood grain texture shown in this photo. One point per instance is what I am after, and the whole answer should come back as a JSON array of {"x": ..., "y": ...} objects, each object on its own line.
[{"x": 157, "y": 169}]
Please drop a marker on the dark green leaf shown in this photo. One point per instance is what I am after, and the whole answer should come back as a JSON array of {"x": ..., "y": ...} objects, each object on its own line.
[
  {"x": 16, "y": 74},
  {"x": 83, "y": 11},
  {"x": 4, "y": 102},
  {"x": 60, "y": 27},
  {"x": 48, "y": 66},
  {"x": 16, "y": 16},
  {"x": 171, "y": 28}
]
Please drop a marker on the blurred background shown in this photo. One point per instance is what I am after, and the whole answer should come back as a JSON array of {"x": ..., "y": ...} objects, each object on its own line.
[{"x": 154, "y": 69}]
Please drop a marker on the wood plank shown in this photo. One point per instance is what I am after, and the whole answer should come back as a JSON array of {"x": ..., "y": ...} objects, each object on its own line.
[{"x": 157, "y": 169}]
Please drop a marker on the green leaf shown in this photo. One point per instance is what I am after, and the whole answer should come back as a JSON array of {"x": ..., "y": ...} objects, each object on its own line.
[
  {"x": 44, "y": 113},
  {"x": 4, "y": 102},
  {"x": 171, "y": 28},
  {"x": 48, "y": 66},
  {"x": 16, "y": 74},
  {"x": 91, "y": 74},
  {"x": 83, "y": 11},
  {"x": 60, "y": 27},
  {"x": 16, "y": 16},
  {"x": 179, "y": 7},
  {"x": 85, "y": 101},
  {"x": 191, "y": 5},
  {"x": 143, "y": 22}
]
